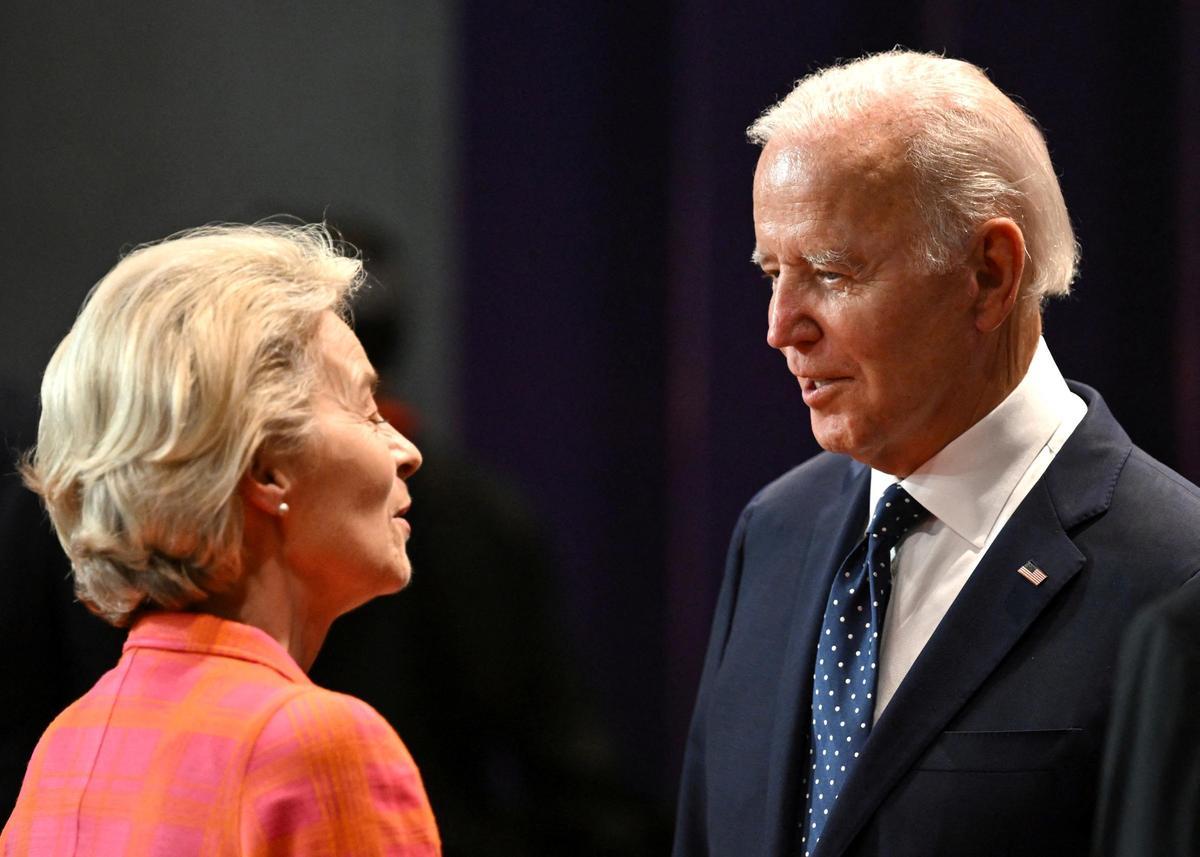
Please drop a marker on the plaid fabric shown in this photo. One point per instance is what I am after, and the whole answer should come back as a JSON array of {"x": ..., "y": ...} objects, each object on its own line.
[{"x": 208, "y": 739}]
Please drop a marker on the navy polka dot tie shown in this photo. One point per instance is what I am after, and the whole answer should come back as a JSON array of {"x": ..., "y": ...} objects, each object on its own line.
[{"x": 843, "y": 700}]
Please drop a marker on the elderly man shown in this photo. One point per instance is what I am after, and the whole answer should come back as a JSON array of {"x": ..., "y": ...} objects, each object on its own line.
[{"x": 930, "y": 677}]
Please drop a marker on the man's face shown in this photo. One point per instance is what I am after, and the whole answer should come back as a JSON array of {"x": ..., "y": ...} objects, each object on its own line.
[{"x": 886, "y": 355}]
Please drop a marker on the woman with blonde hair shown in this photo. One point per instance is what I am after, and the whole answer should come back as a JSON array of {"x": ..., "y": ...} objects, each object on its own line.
[{"x": 214, "y": 464}]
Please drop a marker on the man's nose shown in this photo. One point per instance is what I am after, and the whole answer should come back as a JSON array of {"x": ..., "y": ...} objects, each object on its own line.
[{"x": 789, "y": 319}]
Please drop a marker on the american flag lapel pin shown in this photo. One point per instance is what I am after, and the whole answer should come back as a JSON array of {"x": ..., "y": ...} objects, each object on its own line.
[{"x": 1032, "y": 573}]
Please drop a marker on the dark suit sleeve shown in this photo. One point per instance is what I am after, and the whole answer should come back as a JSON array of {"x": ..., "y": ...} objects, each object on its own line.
[
  {"x": 1150, "y": 793},
  {"x": 691, "y": 833}
]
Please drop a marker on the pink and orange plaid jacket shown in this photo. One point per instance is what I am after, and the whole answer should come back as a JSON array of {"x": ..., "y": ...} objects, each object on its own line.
[{"x": 208, "y": 739}]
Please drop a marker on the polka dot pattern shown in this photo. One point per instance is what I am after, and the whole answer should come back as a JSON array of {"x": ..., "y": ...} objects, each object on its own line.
[{"x": 843, "y": 700}]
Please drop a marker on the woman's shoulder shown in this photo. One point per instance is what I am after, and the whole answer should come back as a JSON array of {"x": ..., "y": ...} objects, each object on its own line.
[
  {"x": 350, "y": 707},
  {"x": 328, "y": 756},
  {"x": 313, "y": 713}
]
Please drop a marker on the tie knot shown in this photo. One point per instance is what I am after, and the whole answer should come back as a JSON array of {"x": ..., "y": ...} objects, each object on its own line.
[{"x": 895, "y": 514}]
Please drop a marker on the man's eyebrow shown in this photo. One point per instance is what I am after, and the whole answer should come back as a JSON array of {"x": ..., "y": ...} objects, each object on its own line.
[
  {"x": 816, "y": 258},
  {"x": 820, "y": 258}
]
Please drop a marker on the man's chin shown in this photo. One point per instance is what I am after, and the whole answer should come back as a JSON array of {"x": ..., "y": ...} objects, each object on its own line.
[
  {"x": 838, "y": 438},
  {"x": 833, "y": 435}
]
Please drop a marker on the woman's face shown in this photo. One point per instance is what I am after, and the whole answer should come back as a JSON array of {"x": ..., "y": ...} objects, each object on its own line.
[{"x": 345, "y": 532}]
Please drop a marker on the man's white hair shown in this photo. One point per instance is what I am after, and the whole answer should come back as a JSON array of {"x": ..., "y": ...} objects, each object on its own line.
[{"x": 974, "y": 153}]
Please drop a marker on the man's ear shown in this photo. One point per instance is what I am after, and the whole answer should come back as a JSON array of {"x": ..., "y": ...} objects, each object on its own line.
[
  {"x": 265, "y": 485},
  {"x": 997, "y": 262}
]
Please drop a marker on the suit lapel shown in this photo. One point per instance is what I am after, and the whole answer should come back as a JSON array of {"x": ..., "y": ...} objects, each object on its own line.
[
  {"x": 990, "y": 614},
  {"x": 843, "y": 520}
]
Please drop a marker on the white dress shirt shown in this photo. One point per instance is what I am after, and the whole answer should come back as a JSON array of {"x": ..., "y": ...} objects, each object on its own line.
[{"x": 972, "y": 487}]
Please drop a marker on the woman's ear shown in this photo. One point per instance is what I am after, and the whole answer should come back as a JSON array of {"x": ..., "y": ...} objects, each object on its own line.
[
  {"x": 997, "y": 263},
  {"x": 265, "y": 485}
]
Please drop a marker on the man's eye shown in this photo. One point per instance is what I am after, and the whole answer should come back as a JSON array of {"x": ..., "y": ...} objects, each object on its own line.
[
  {"x": 828, "y": 277},
  {"x": 377, "y": 418},
  {"x": 771, "y": 277}
]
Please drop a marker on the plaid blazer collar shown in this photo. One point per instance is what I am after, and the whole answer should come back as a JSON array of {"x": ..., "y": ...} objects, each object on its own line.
[{"x": 203, "y": 633}]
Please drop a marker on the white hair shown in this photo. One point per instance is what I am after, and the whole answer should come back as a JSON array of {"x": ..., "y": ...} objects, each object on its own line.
[
  {"x": 974, "y": 153},
  {"x": 189, "y": 356}
]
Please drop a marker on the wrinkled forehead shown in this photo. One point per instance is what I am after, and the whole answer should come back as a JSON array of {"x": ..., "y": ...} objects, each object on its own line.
[
  {"x": 344, "y": 368},
  {"x": 871, "y": 159},
  {"x": 844, "y": 198}
]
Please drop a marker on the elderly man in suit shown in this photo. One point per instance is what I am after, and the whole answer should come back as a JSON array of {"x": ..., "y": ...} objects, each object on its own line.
[{"x": 913, "y": 646}]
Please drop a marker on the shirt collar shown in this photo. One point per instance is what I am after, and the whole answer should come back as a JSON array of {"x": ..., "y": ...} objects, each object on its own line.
[
  {"x": 204, "y": 633},
  {"x": 966, "y": 485}
]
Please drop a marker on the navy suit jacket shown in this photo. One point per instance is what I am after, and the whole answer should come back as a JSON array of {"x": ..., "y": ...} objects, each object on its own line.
[{"x": 991, "y": 745}]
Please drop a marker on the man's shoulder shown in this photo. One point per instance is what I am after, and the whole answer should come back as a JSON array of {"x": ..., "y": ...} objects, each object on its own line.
[
  {"x": 1100, "y": 465},
  {"x": 821, "y": 477},
  {"x": 1160, "y": 503},
  {"x": 1146, "y": 473},
  {"x": 1124, "y": 505}
]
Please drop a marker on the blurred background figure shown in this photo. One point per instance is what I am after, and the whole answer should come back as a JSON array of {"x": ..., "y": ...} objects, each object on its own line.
[
  {"x": 473, "y": 662},
  {"x": 215, "y": 466},
  {"x": 584, "y": 324},
  {"x": 1150, "y": 790}
]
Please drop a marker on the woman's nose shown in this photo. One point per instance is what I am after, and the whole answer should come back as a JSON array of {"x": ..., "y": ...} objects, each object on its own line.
[{"x": 408, "y": 457}]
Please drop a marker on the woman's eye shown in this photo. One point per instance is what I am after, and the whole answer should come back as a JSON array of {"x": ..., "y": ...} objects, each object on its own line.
[{"x": 377, "y": 418}]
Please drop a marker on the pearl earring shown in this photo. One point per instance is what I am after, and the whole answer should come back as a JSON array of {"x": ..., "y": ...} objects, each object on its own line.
[{"x": 284, "y": 508}]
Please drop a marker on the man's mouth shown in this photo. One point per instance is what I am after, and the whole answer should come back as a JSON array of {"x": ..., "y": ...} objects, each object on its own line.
[{"x": 816, "y": 390}]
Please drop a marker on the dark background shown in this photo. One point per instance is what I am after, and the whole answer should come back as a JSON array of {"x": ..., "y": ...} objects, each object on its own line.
[{"x": 565, "y": 192}]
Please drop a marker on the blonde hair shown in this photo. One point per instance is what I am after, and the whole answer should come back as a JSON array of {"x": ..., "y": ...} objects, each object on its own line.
[
  {"x": 187, "y": 357},
  {"x": 974, "y": 153}
]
